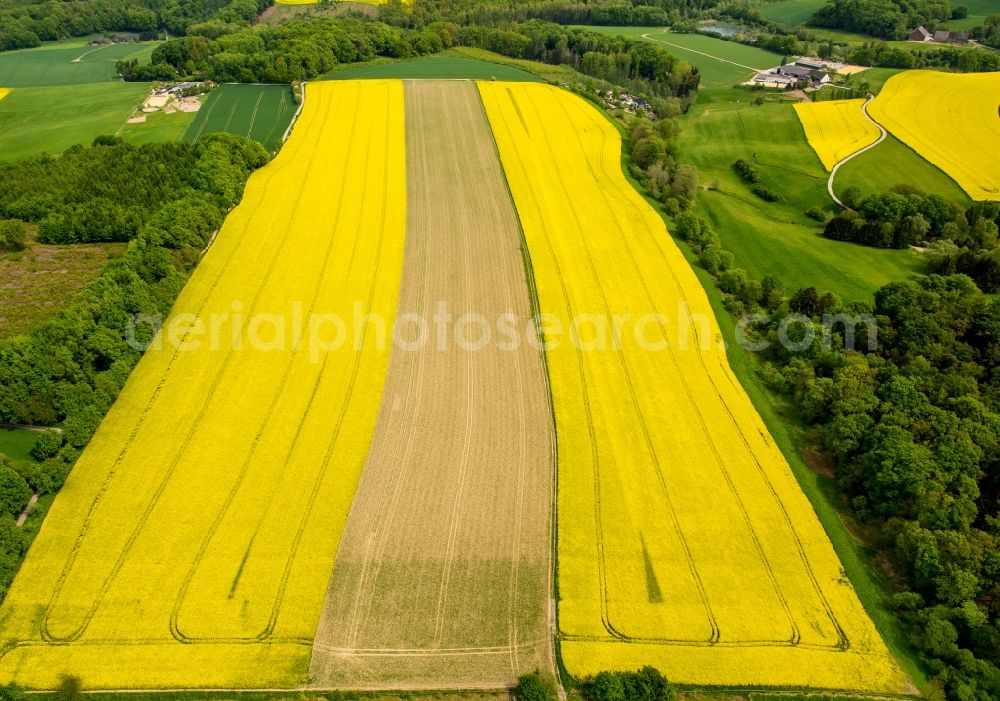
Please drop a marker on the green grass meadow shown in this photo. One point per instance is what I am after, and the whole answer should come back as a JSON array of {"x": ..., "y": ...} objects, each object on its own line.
[
  {"x": 70, "y": 63},
  {"x": 52, "y": 119},
  {"x": 721, "y": 63},
  {"x": 258, "y": 112},
  {"x": 438, "y": 67},
  {"x": 16, "y": 444},
  {"x": 893, "y": 163},
  {"x": 776, "y": 238},
  {"x": 791, "y": 12}
]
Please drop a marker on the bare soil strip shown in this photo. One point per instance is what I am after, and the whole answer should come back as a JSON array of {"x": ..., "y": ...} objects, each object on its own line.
[{"x": 442, "y": 579}]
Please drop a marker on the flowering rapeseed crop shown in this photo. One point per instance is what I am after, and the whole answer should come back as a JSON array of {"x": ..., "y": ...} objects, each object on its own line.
[
  {"x": 836, "y": 128},
  {"x": 684, "y": 540},
  {"x": 951, "y": 120},
  {"x": 193, "y": 542}
]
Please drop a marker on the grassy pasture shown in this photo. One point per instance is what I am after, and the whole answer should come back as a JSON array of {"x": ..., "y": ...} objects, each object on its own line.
[
  {"x": 35, "y": 284},
  {"x": 52, "y": 119},
  {"x": 776, "y": 238},
  {"x": 876, "y": 77},
  {"x": 72, "y": 63},
  {"x": 16, "y": 444},
  {"x": 791, "y": 12},
  {"x": 893, "y": 163},
  {"x": 259, "y": 112},
  {"x": 722, "y": 63},
  {"x": 438, "y": 67}
]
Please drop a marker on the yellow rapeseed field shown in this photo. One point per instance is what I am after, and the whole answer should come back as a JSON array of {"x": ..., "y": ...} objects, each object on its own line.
[
  {"x": 4, "y": 92},
  {"x": 684, "y": 540},
  {"x": 193, "y": 542},
  {"x": 951, "y": 119},
  {"x": 836, "y": 128}
]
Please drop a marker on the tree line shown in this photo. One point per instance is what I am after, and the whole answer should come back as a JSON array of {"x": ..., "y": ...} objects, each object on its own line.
[
  {"x": 307, "y": 48},
  {"x": 28, "y": 23},
  {"x": 104, "y": 193},
  {"x": 496, "y": 12}
]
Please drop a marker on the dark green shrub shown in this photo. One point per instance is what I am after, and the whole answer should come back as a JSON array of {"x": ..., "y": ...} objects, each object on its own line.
[
  {"x": 47, "y": 445},
  {"x": 532, "y": 687}
]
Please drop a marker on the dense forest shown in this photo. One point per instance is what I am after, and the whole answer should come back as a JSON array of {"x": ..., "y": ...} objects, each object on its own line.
[
  {"x": 101, "y": 194},
  {"x": 26, "y": 24},
  {"x": 886, "y": 19}
]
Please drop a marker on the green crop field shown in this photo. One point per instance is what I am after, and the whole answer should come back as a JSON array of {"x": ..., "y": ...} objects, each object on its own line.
[
  {"x": 70, "y": 63},
  {"x": 259, "y": 112},
  {"x": 438, "y": 67},
  {"x": 790, "y": 12},
  {"x": 893, "y": 163},
  {"x": 722, "y": 63},
  {"x": 839, "y": 36},
  {"x": 52, "y": 119},
  {"x": 776, "y": 238}
]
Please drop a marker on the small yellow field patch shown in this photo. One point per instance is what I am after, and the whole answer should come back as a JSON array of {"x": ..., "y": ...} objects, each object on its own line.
[
  {"x": 836, "y": 129},
  {"x": 4, "y": 92},
  {"x": 952, "y": 120}
]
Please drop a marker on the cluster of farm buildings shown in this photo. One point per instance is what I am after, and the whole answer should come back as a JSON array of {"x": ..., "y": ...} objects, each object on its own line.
[
  {"x": 805, "y": 72},
  {"x": 941, "y": 36}
]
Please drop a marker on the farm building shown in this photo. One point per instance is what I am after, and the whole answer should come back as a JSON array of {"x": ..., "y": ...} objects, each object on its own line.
[
  {"x": 771, "y": 78},
  {"x": 941, "y": 36},
  {"x": 802, "y": 71},
  {"x": 814, "y": 64}
]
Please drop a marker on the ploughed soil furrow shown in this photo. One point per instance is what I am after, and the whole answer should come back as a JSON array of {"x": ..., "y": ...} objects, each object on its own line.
[{"x": 442, "y": 577}]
